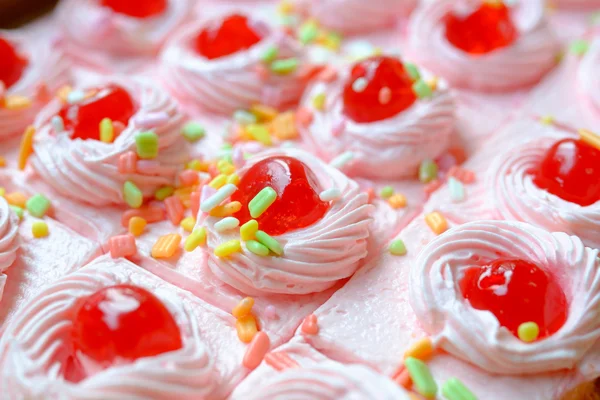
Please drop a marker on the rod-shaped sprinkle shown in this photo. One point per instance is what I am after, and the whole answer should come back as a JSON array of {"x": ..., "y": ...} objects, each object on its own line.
[{"x": 223, "y": 193}]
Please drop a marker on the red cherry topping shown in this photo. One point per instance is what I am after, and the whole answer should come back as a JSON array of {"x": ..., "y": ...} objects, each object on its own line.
[
  {"x": 362, "y": 98},
  {"x": 232, "y": 34},
  {"x": 516, "y": 291},
  {"x": 297, "y": 204},
  {"x": 571, "y": 171},
  {"x": 137, "y": 8},
  {"x": 123, "y": 321},
  {"x": 12, "y": 64},
  {"x": 84, "y": 118},
  {"x": 488, "y": 28}
]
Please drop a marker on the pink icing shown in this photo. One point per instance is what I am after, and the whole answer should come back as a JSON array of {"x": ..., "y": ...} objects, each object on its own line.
[
  {"x": 9, "y": 242},
  {"x": 588, "y": 81}
]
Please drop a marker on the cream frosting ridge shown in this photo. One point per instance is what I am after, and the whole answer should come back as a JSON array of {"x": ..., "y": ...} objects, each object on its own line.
[
  {"x": 475, "y": 335},
  {"x": 520, "y": 64},
  {"x": 315, "y": 257},
  {"x": 233, "y": 82},
  {"x": 87, "y": 170},
  {"x": 588, "y": 81},
  {"x": 9, "y": 241},
  {"x": 390, "y": 148}
]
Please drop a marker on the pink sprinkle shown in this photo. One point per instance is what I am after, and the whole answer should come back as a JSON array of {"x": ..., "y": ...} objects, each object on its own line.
[
  {"x": 237, "y": 157},
  {"x": 385, "y": 95},
  {"x": 261, "y": 72},
  {"x": 175, "y": 209},
  {"x": 271, "y": 312},
  {"x": 122, "y": 246},
  {"x": 195, "y": 203},
  {"x": 127, "y": 162},
  {"x": 309, "y": 326},
  {"x": 118, "y": 128},
  {"x": 188, "y": 177},
  {"x": 432, "y": 186},
  {"x": 148, "y": 167},
  {"x": 213, "y": 170},
  {"x": 371, "y": 194},
  {"x": 463, "y": 175},
  {"x": 151, "y": 213},
  {"x": 280, "y": 361},
  {"x": 446, "y": 161},
  {"x": 152, "y": 119},
  {"x": 304, "y": 116},
  {"x": 207, "y": 191},
  {"x": 256, "y": 351},
  {"x": 338, "y": 127},
  {"x": 328, "y": 74},
  {"x": 41, "y": 92}
]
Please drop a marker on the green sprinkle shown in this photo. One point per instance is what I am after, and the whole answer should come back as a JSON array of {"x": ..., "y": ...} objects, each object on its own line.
[
  {"x": 421, "y": 376},
  {"x": 386, "y": 192},
  {"x": 412, "y": 71},
  {"x": 244, "y": 117},
  {"x": 308, "y": 32},
  {"x": 146, "y": 144},
  {"x": 18, "y": 210},
  {"x": 38, "y": 205},
  {"x": 270, "y": 54},
  {"x": 107, "y": 130},
  {"x": 132, "y": 195},
  {"x": 257, "y": 248},
  {"x": 260, "y": 133},
  {"x": 193, "y": 131},
  {"x": 272, "y": 244},
  {"x": 164, "y": 192},
  {"x": 428, "y": 171},
  {"x": 285, "y": 66},
  {"x": 397, "y": 248},
  {"x": 579, "y": 47},
  {"x": 196, "y": 165},
  {"x": 226, "y": 146},
  {"x": 422, "y": 89},
  {"x": 262, "y": 201},
  {"x": 453, "y": 389}
]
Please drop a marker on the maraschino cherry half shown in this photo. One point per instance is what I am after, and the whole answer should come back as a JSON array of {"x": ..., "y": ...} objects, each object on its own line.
[
  {"x": 297, "y": 204},
  {"x": 571, "y": 171},
  {"x": 123, "y": 322},
  {"x": 488, "y": 28},
  {"x": 364, "y": 98},
  {"x": 83, "y": 118},
  {"x": 232, "y": 34},
  {"x": 12, "y": 64},
  {"x": 516, "y": 291},
  {"x": 137, "y": 8}
]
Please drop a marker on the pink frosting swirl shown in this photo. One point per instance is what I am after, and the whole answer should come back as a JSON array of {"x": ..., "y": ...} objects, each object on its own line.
[
  {"x": 330, "y": 381},
  {"x": 89, "y": 26},
  {"x": 9, "y": 242},
  {"x": 35, "y": 346},
  {"x": 475, "y": 335},
  {"x": 356, "y": 16},
  {"x": 387, "y": 149},
  {"x": 521, "y": 64},
  {"x": 47, "y": 69},
  {"x": 233, "y": 82},
  {"x": 315, "y": 257},
  {"x": 588, "y": 81},
  {"x": 87, "y": 170},
  {"x": 577, "y": 3}
]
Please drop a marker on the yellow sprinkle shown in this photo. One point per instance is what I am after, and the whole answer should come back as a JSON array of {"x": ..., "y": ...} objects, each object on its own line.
[
  {"x": 166, "y": 245},
  {"x": 228, "y": 248},
  {"x": 436, "y": 222},
  {"x": 590, "y": 138},
  {"x": 319, "y": 101},
  {"x": 433, "y": 83},
  {"x": 218, "y": 182},
  {"x": 226, "y": 210},
  {"x": 246, "y": 328},
  {"x": 260, "y": 133},
  {"x": 2, "y": 192},
  {"x": 63, "y": 93},
  {"x": 233, "y": 178},
  {"x": 107, "y": 131},
  {"x": 248, "y": 230},
  {"x": 243, "y": 308},
  {"x": 195, "y": 239},
  {"x": 187, "y": 224},
  {"x": 225, "y": 167},
  {"x": 285, "y": 7},
  {"x": 263, "y": 113},
  {"x": 528, "y": 331},
  {"x": 16, "y": 199},
  {"x": 39, "y": 229},
  {"x": 137, "y": 225},
  {"x": 26, "y": 148},
  {"x": 284, "y": 126},
  {"x": 2, "y": 162},
  {"x": 421, "y": 349},
  {"x": 547, "y": 120},
  {"x": 377, "y": 51},
  {"x": 397, "y": 201},
  {"x": 15, "y": 102}
]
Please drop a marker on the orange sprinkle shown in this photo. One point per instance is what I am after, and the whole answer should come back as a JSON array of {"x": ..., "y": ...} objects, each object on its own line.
[
  {"x": 432, "y": 186},
  {"x": 246, "y": 328},
  {"x": 15, "y": 102},
  {"x": 166, "y": 246},
  {"x": 63, "y": 93},
  {"x": 463, "y": 175},
  {"x": 2, "y": 162},
  {"x": 590, "y": 138},
  {"x": 309, "y": 326},
  {"x": 226, "y": 209},
  {"x": 243, "y": 308},
  {"x": 137, "y": 225},
  {"x": 436, "y": 222},
  {"x": 284, "y": 126},
  {"x": 16, "y": 199},
  {"x": 402, "y": 378},
  {"x": 280, "y": 361},
  {"x": 256, "y": 351},
  {"x": 304, "y": 116},
  {"x": 263, "y": 113},
  {"x": 422, "y": 349},
  {"x": 26, "y": 148},
  {"x": 397, "y": 201}
]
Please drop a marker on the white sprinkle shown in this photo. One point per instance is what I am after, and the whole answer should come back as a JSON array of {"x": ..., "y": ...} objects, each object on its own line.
[
  {"x": 288, "y": 144},
  {"x": 330, "y": 194},
  {"x": 342, "y": 159},
  {"x": 227, "y": 224},
  {"x": 218, "y": 197},
  {"x": 75, "y": 96},
  {"x": 151, "y": 120},
  {"x": 57, "y": 124},
  {"x": 457, "y": 190},
  {"x": 359, "y": 85},
  {"x": 244, "y": 117}
]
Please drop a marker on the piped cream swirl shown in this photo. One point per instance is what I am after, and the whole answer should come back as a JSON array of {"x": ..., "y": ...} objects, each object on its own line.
[
  {"x": 475, "y": 335},
  {"x": 315, "y": 257},
  {"x": 518, "y": 65},
  {"x": 35, "y": 346},
  {"x": 386, "y": 149},
  {"x": 9, "y": 241},
  {"x": 87, "y": 170},
  {"x": 588, "y": 79}
]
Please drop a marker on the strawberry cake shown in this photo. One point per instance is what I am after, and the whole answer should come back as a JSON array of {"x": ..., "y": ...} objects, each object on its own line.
[{"x": 332, "y": 199}]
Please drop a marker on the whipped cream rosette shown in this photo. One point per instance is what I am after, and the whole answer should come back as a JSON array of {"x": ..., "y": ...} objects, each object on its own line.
[
  {"x": 9, "y": 242},
  {"x": 588, "y": 81},
  {"x": 35, "y": 68},
  {"x": 272, "y": 68},
  {"x": 91, "y": 170},
  {"x": 521, "y": 61},
  {"x": 386, "y": 146},
  {"x": 318, "y": 218},
  {"x": 475, "y": 335},
  {"x": 577, "y": 4},
  {"x": 38, "y": 352},
  {"x": 97, "y": 34}
]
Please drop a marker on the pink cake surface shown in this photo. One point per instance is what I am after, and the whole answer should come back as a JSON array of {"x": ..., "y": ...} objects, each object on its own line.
[{"x": 301, "y": 193}]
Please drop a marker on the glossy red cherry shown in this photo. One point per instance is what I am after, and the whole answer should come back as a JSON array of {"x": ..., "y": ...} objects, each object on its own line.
[
  {"x": 571, "y": 171},
  {"x": 84, "y": 118},
  {"x": 137, "y": 8},
  {"x": 488, "y": 28},
  {"x": 297, "y": 204},
  {"x": 12, "y": 64},
  {"x": 516, "y": 291},
  {"x": 363, "y": 98},
  {"x": 123, "y": 322},
  {"x": 232, "y": 34}
]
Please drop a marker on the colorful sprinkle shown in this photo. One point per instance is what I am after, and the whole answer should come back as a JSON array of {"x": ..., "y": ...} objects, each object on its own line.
[
  {"x": 246, "y": 328},
  {"x": 310, "y": 325},
  {"x": 579, "y": 47},
  {"x": 146, "y": 145},
  {"x": 195, "y": 239},
  {"x": 107, "y": 131},
  {"x": 175, "y": 209},
  {"x": 244, "y": 117},
  {"x": 590, "y": 138},
  {"x": 284, "y": 127},
  {"x": 243, "y": 308},
  {"x": 75, "y": 97},
  {"x": 428, "y": 171},
  {"x": 463, "y": 175},
  {"x": 16, "y": 102},
  {"x": 422, "y": 89},
  {"x": 38, "y": 205},
  {"x": 341, "y": 160},
  {"x": 151, "y": 213},
  {"x": 421, "y": 376},
  {"x": 57, "y": 124},
  {"x": 26, "y": 147},
  {"x": 271, "y": 243},
  {"x": 386, "y": 192},
  {"x": 397, "y": 248},
  {"x": 187, "y": 224},
  {"x": 248, "y": 230},
  {"x": 228, "y": 248},
  {"x": 257, "y": 248},
  {"x": 18, "y": 211},
  {"x": 16, "y": 199},
  {"x": 330, "y": 194},
  {"x": 166, "y": 246},
  {"x": 128, "y": 162},
  {"x": 436, "y": 222},
  {"x": 457, "y": 190},
  {"x": 308, "y": 32},
  {"x": 137, "y": 225},
  {"x": 547, "y": 120},
  {"x": 454, "y": 389},
  {"x": 412, "y": 71},
  {"x": 163, "y": 192},
  {"x": 122, "y": 246},
  {"x": 284, "y": 66},
  {"x": 217, "y": 198},
  {"x": 262, "y": 201},
  {"x": 256, "y": 351},
  {"x": 132, "y": 195},
  {"x": 528, "y": 332},
  {"x": 397, "y": 201},
  {"x": 422, "y": 349},
  {"x": 270, "y": 54},
  {"x": 263, "y": 112},
  {"x": 260, "y": 133},
  {"x": 226, "y": 224},
  {"x": 39, "y": 229},
  {"x": 319, "y": 101}
]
